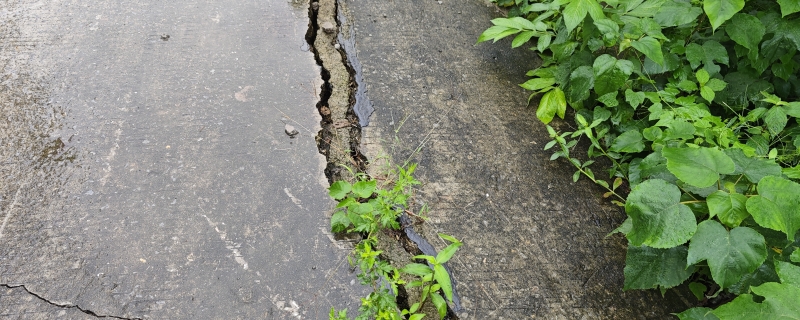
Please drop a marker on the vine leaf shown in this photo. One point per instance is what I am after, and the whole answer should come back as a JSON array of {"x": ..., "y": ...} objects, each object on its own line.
[
  {"x": 730, "y": 255},
  {"x": 698, "y": 313},
  {"x": 676, "y": 12},
  {"x": 339, "y": 189},
  {"x": 788, "y": 7},
  {"x": 553, "y": 102},
  {"x": 648, "y": 268},
  {"x": 777, "y": 205},
  {"x": 754, "y": 169},
  {"x": 699, "y": 167},
  {"x": 364, "y": 188},
  {"x": 576, "y": 10},
  {"x": 729, "y": 208},
  {"x": 789, "y": 273},
  {"x": 630, "y": 141},
  {"x": 581, "y": 81},
  {"x": 651, "y": 49},
  {"x": 719, "y": 11},
  {"x": 781, "y": 301},
  {"x": 610, "y": 74},
  {"x": 746, "y": 30},
  {"x": 658, "y": 218}
]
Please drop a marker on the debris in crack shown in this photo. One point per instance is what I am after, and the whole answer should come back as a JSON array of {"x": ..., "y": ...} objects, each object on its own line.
[
  {"x": 64, "y": 306},
  {"x": 339, "y": 139}
]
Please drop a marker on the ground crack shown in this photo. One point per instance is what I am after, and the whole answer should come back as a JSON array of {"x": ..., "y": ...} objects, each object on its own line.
[{"x": 64, "y": 306}]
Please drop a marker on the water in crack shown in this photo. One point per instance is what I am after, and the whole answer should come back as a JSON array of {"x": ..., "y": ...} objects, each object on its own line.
[{"x": 347, "y": 39}]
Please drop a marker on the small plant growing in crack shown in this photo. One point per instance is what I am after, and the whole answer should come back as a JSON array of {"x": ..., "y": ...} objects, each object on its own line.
[{"x": 366, "y": 208}]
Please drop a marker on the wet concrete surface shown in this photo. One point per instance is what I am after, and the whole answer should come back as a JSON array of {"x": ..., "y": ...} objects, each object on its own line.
[
  {"x": 534, "y": 243},
  {"x": 144, "y": 167}
]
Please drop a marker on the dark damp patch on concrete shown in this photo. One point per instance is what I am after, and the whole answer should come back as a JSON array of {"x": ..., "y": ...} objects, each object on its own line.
[{"x": 362, "y": 106}]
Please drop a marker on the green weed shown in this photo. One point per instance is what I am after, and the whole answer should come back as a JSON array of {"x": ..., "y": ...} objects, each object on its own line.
[
  {"x": 366, "y": 208},
  {"x": 695, "y": 105}
]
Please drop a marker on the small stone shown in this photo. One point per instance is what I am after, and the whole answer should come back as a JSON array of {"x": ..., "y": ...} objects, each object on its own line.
[
  {"x": 328, "y": 27},
  {"x": 315, "y": 5},
  {"x": 290, "y": 130},
  {"x": 336, "y": 46}
]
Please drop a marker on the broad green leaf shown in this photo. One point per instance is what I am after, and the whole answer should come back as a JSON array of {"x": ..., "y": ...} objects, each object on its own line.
[
  {"x": 495, "y": 33},
  {"x": 610, "y": 74},
  {"x": 537, "y": 84},
  {"x": 730, "y": 255},
  {"x": 695, "y": 54},
  {"x": 719, "y": 11},
  {"x": 417, "y": 316},
  {"x": 646, "y": 9},
  {"x": 576, "y": 10},
  {"x": 634, "y": 98},
  {"x": 447, "y": 252},
  {"x": 580, "y": 85},
  {"x": 751, "y": 167},
  {"x": 364, "y": 188},
  {"x": 702, "y": 76},
  {"x": 699, "y": 167},
  {"x": 728, "y": 208},
  {"x": 795, "y": 256},
  {"x": 417, "y": 269},
  {"x": 440, "y": 304},
  {"x": 339, "y": 222},
  {"x": 659, "y": 219},
  {"x": 781, "y": 301},
  {"x": 789, "y": 273},
  {"x": 698, "y": 290},
  {"x": 651, "y": 48},
  {"x": 792, "y": 173},
  {"x": 607, "y": 26},
  {"x": 707, "y": 93},
  {"x": 339, "y": 189},
  {"x": 716, "y": 84},
  {"x": 552, "y": 103},
  {"x": 775, "y": 119},
  {"x": 789, "y": 6},
  {"x": 609, "y": 99},
  {"x": 515, "y": 22},
  {"x": 544, "y": 42},
  {"x": 628, "y": 142},
  {"x": 777, "y": 205},
  {"x": 649, "y": 268},
  {"x": 522, "y": 38},
  {"x": 741, "y": 308},
  {"x": 746, "y": 30},
  {"x": 699, "y": 313},
  {"x": 676, "y": 12},
  {"x": 443, "y": 279}
]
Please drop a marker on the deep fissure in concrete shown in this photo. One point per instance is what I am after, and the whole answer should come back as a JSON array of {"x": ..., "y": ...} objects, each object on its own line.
[
  {"x": 63, "y": 306},
  {"x": 328, "y": 134},
  {"x": 356, "y": 96}
]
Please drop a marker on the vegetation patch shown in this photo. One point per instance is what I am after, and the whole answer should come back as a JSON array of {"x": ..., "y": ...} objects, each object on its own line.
[
  {"x": 695, "y": 106},
  {"x": 366, "y": 207}
]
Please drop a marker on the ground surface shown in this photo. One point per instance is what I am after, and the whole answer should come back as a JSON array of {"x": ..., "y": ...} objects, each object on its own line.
[
  {"x": 145, "y": 171},
  {"x": 535, "y": 243}
]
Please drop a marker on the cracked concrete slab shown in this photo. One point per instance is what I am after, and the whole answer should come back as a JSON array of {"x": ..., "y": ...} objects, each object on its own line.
[
  {"x": 146, "y": 171},
  {"x": 534, "y": 243}
]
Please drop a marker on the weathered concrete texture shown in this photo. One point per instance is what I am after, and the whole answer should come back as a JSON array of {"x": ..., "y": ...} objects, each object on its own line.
[
  {"x": 535, "y": 243},
  {"x": 144, "y": 167}
]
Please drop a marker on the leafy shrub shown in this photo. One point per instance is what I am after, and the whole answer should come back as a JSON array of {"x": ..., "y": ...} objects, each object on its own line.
[{"x": 694, "y": 104}]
